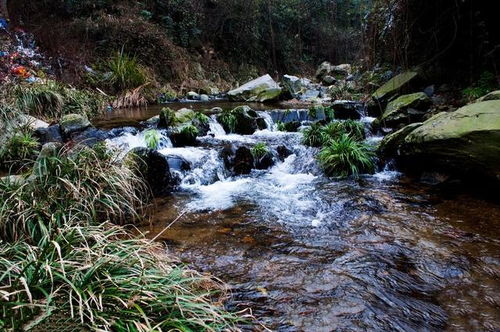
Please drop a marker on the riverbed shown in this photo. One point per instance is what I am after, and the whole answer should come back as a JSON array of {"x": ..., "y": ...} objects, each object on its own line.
[{"x": 310, "y": 253}]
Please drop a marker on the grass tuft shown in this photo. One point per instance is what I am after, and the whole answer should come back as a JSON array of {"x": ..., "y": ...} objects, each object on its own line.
[
  {"x": 259, "y": 150},
  {"x": 152, "y": 138},
  {"x": 345, "y": 156}
]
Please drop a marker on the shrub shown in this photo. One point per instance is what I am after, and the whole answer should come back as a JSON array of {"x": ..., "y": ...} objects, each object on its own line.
[
  {"x": 259, "y": 150},
  {"x": 20, "y": 150},
  {"x": 51, "y": 100},
  {"x": 98, "y": 277},
  {"x": 344, "y": 156},
  {"x": 70, "y": 187},
  {"x": 152, "y": 138}
]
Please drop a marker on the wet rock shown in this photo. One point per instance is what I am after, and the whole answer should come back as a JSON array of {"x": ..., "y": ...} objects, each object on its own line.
[
  {"x": 465, "y": 142},
  {"x": 293, "y": 85},
  {"x": 243, "y": 161},
  {"x": 395, "y": 86},
  {"x": 49, "y": 134},
  {"x": 345, "y": 110},
  {"x": 261, "y": 89},
  {"x": 203, "y": 127},
  {"x": 283, "y": 152},
  {"x": 405, "y": 110},
  {"x": 291, "y": 126},
  {"x": 184, "y": 135},
  {"x": 264, "y": 162},
  {"x": 184, "y": 115},
  {"x": 152, "y": 167},
  {"x": 204, "y": 97},
  {"x": 241, "y": 120},
  {"x": 73, "y": 123},
  {"x": 177, "y": 163},
  {"x": 165, "y": 119},
  {"x": 90, "y": 136}
]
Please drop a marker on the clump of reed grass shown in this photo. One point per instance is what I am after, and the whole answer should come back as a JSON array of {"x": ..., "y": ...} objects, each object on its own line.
[
  {"x": 19, "y": 150},
  {"x": 98, "y": 277},
  {"x": 152, "y": 138},
  {"x": 70, "y": 186},
  {"x": 345, "y": 156},
  {"x": 122, "y": 72},
  {"x": 51, "y": 100},
  {"x": 318, "y": 135}
]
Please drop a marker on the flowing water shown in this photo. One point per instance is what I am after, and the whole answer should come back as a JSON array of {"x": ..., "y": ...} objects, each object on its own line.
[{"x": 309, "y": 253}]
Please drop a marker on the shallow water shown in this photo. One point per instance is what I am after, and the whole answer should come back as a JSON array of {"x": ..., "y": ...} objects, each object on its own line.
[{"x": 308, "y": 253}]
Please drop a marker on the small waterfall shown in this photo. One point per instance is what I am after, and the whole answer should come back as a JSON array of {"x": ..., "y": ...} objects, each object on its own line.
[
  {"x": 268, "y": 119},
  {"x": 216, "y": 128},
  {"x": 129, "y": 141}
]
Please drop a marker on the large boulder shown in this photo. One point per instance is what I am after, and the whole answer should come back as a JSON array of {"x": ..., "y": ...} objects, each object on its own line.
[
  {"x": 406, "y": 109},
  {"x": 261, "y": 89},
  {"x": 394, "y": 86},
  {"x": 465, "y": 142},
  {"x": 73, "y": 123},
  {"x": 152, "y": 166},
  {"x": 344, "y": 110},
  {"x": 169, "y": 117}
]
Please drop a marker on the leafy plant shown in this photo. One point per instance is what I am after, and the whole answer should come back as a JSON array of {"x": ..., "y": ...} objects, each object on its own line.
[
  {"x": 354, "y": 129},
  {"x": 152, "y": 138},
  {"x": 280, "y": 126},
  {"x": 190, "y": 131},
  {"x": 228, "y": 119},
  {"x": 167, "y": 118},
  {"x": 313, "y": 136},
  {"x": 20, "y": 150},
  {"x": 329, "y": 113},
  {"x": 344, "y": 156},
  {"x": 202, "y": 118},
  {"x": 313, "y": 111},
  {"x": 259, "y": 150},
  {"x": 123, "y": 72}
]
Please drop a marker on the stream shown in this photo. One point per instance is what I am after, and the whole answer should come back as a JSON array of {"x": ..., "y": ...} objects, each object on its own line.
[{"x": 309, "y": 253}]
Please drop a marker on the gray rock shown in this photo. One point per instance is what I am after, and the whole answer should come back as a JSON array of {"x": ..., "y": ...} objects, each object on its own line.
[
  {"x": 261, "y": 89},
  {"x": 73, "y": 123}
]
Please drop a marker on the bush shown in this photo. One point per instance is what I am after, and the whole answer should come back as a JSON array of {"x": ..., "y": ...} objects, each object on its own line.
[
  {"x": 344, "y": 156},
  {"x": 97, "y": 277},
  {"x": 20, "y": 150},
  {"x": 52, "y": 100},
  {"x": 70, "y": 187}
]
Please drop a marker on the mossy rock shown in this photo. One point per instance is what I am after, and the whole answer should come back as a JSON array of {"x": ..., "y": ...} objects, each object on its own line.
[
  {"x": 73, "y": 123},
  {"x": 396, "y": 111},
  {"x": 466, "y": 141},
  {"x": 391, "y": 143},
  {"x": 246, "y": 120},
  {"x": 394, "y": 86}
]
